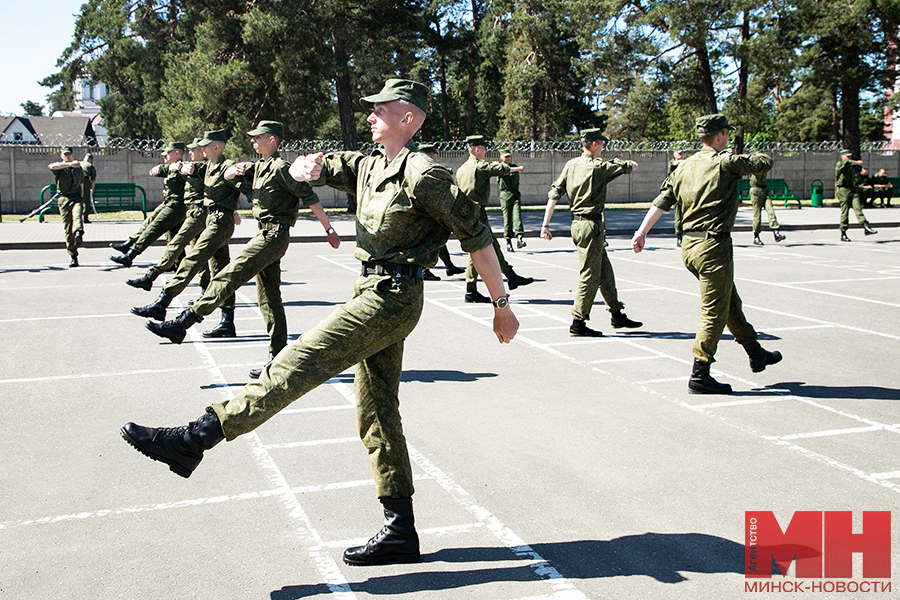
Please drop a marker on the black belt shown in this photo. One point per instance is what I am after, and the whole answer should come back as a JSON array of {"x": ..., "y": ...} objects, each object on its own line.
[
  {"x": 587, "y": 218},
  {"x": 276, "y": 226},
  {"x": 708, "y": 235},
  {"x": 395, "y": 270},
  {"x": 220, "y": 210}
]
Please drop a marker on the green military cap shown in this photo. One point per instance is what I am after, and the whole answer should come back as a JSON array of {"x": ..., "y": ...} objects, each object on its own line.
[
  {"x": 219, "y": 135},
  {"x": 65, "y": 150},
  {"x": 194, "y": 144},
  {"x": 427, "y": 148},
  {"x": 505, "y": 153},
  {"x": 593, "y": 135},
  {"x": 475, "y": 140},
  {"x": 173, "y": 146},
  {"x": 399, "y": 89},
  {"x": 846, "y": 152},
  {"x": 273, "y": 127},
  {"x": 712, "y": 123}
]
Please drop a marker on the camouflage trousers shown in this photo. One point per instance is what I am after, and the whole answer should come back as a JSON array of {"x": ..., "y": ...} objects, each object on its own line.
[
  {"x": 167, "y": 222},
  {"x": 193, "y": 225},
  {"x": 471, "y": 271},
  {"x": 848, "y": 198},
  {"x": 511, "y": 205},
  {"x": 211, "y": 247},
  {"x": 595, "y": 272},
  {"x": 711, "y": 261},
  {"x": 367, "y": 331},
  {"x": 146, "y": 223},
  {"x": 760, "y": 199},
  {"x": 70, "y": 209},
  {"x": 260, "y": 257}
]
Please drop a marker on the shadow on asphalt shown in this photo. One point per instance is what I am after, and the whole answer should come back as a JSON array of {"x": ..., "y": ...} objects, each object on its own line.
[
  {"x": 839, "y": 392},
  {"x": 662, "y": 556}
]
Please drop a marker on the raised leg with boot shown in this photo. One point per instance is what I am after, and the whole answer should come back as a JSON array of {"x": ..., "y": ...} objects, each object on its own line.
[
  {"x": 176, "y": 329},
  {"x": 145, "y": 281},
  {"x": 514, "y": 280},
  {"x": 156, "y": 310},
  {"x": 760, "y": 358},
  {"x": 397, "y": 542},
  {"x": 179, "y": 447},
  {"x": 125, "y": 259},
  {"x": 618, "y": 320}
]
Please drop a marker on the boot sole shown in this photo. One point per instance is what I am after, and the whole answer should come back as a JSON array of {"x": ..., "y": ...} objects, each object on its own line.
[
  {"x": 763, "y": 368},
  {"x": 710, "y": 392},
  {"x": 159, "y": 318},
  {"x": 174, "y": 467},
  {"x": 225, "y": 334},
  {"x": 391, "y": 559},
  {"x": 174, "y": 340},
  {"x": 140, "y": 286}
]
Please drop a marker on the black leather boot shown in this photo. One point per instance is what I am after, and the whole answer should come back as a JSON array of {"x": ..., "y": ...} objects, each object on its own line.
[
  {"x": 520, "y": 241},
  {"x": 125, "y": 259},
  {"x": 225, "y": 328},
  {"x": 618, "y": 320},
  {"x": 397, "y": 542},
  {"x": 868, "y": 229},
  {"x": 515, "y": 280},
  {"x": 179, "y": 447},
  {"x": 145, "y": 281},
  {"x": 122, "y": 247},
  {"x": 176, "y": 329},
  {"x": 255, "y": 373},
  {"x": 702, "y": 382},
  {"x": 73, "y": 261},
  {"x": 157, "y": 310},
  {"x": 473, "y": 295},
  {"x": 779, "y": 237},
  {"x": 757, "y": 241},
  {"x": 427, "y": 275},
  {"x": 844, "y": 237},
  {"x": 579, "y": 329},
  {"x": 509, "y": 247},
  {"x": 454, "y": 270},
  {"x": 760, "y": 358}
]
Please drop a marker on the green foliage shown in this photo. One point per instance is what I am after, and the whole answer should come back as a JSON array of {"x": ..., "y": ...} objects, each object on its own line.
[{"x": 32, "y": 109}]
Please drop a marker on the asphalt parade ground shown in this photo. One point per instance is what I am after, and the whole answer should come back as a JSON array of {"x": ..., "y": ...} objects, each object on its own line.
[{"x": 553, "y": 467}]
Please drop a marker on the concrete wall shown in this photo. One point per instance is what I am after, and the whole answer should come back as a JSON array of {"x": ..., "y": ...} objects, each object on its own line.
[{"x": 23, "y": 173}]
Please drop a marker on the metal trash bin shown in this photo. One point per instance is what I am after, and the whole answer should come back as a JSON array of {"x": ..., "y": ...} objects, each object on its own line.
[{"x": 817, "y": 192}]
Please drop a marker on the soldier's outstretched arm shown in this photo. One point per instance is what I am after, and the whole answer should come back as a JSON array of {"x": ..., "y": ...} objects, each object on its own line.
[
  {"x": 640, "y": 236},
  {"x": 505, "y": 323},
  {"x": 307, "y": 168}
]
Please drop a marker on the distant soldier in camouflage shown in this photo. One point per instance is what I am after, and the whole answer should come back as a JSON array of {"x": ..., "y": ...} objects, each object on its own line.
[
  {"x": 408, "y": 205},
  {"x": 444, "y": 255},
  {"x": 69, "y": 175},
  {"x": 584, "y": 180},
  {"x": 706, "y": 187},
  {"x": 276, "y": 197},
  {"x": 845, "y": 182},
  {"x": 883, "y": 188},
  {"x": 511, "y": 203},
  {"x": 474, "y": 178},
  {"x": 167, "y": 220},
  {"x": 759, "y": 197},
  {"x": 220, "y": 197}
]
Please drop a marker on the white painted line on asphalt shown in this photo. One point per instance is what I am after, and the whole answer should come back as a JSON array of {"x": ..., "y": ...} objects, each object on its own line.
[
  {"x": 766, "y": 400},
  {"x": 814, "y": 291},
  {"x": 826, "y": 433},
  {"x": 434, "y": 531},
  {"x": 583, "y": 341},
  {"x": 626, "y": 359},
  {"x": 65, "y": 318},
  {"x": 57, "y": 287},
  {"x": 849, "y": 280},
  {"x": 119, "y": 373},
  {"x": 325, "y": 442},
  {"x": 888, "y": 475},
  {"x": 310, "y": 409},
  {"x": 797, "y": 328},
  {"x": 663, "y": 380}
]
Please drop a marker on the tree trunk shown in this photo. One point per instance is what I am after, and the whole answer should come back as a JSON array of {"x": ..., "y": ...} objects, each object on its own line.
[
  {"x": 473, "y": 60},
  {"x": 445, "y": 112},
  {"x": 344, "y": 91},
  {"x": 742, "y": 85},
  {"x": 709, "y": 91}
]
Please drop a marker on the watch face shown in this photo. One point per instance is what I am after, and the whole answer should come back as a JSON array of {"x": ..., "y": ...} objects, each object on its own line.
[{"x": 501, "y": 302}]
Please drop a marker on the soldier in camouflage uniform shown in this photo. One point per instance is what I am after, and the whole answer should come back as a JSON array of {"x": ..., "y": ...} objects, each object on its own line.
[
  {"x": 68, "y": 175},
  {"x": 220, "y": 199},
  {"x": 883, "y": 188},
  {"x": 474, "y": 179},
  {"x": 845, "y": 184},
  {"x": 408, "y": 205},
  {"x": 706, "y": 187},
  {"x": 169, "y": 217},
  {"x": 191, "y": 228},
  {"x": 444, "y": 255},
  {"x": 759, "y": 198},
  {"x": 275, "y": 196},
  {"x": 584, "y": 181},
  {"x": 511, "y": 204}
]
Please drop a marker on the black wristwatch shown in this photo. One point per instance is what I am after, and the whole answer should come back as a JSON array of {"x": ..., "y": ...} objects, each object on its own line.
[
  {"x": 501, "y": 302},
  {"x": 329, "y": 231}
]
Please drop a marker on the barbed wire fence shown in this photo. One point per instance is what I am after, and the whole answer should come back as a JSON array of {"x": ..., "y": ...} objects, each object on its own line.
[{"x": 52, "y": 143}]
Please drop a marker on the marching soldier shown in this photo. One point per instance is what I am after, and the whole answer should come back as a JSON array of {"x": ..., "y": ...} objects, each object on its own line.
[
  {"x": 759, "y": 197},
  {"x": 845, "y": 184},
  {"x": 69, "y": 175},
  {"x": 706, "y": 187},
  {"x": 584, "y": 180},
  {"x": 407, "y": 206}
]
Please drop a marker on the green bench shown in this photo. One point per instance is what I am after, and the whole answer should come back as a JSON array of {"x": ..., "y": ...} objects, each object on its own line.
[
  {"x": 743, "y": 190},
  {"x": 778, "y": 190},
  {"x": 108, "y": 197}
]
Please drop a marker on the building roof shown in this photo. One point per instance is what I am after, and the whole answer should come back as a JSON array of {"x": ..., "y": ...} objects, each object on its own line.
[{"x": 68, "y": 130}]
